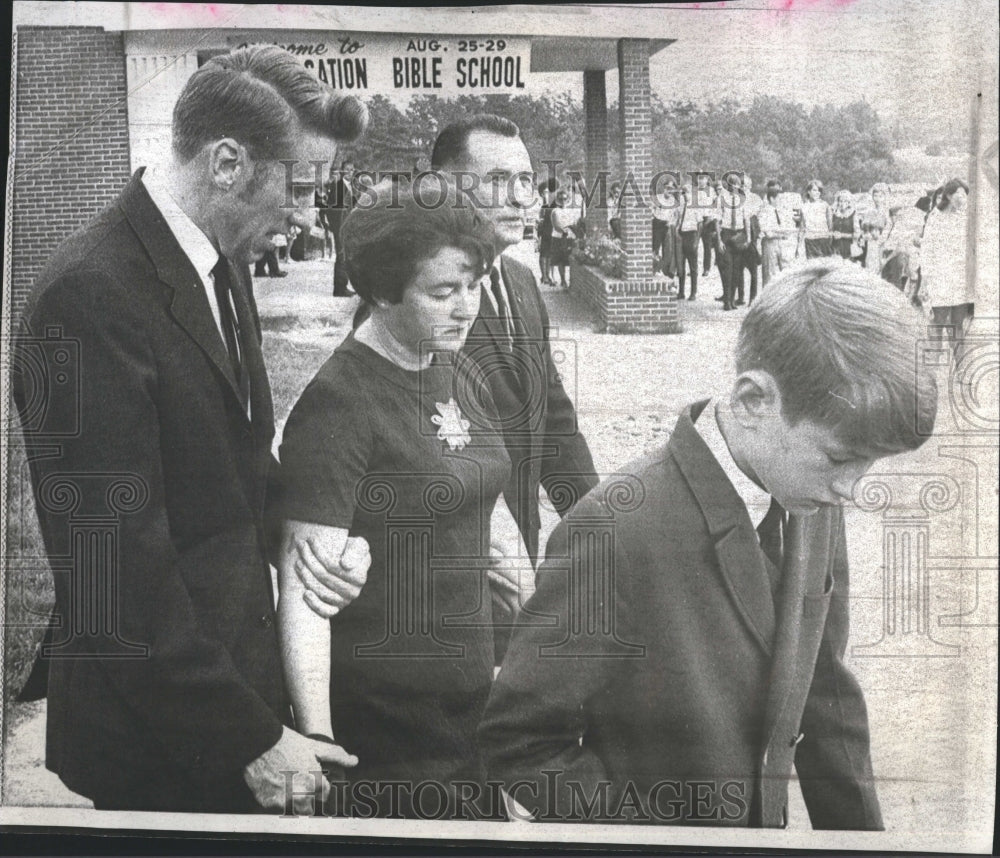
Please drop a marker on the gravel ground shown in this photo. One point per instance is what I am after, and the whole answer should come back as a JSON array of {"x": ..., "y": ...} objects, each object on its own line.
[{"x": 932, "y": 718}]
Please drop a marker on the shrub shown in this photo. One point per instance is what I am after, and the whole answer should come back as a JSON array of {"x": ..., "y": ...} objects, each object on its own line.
[{"x": 604, "y": 253}]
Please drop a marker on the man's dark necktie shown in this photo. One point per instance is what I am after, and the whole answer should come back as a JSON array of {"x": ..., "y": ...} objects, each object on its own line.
[
  {"x": 230, "y": 331},
  {"x": 503, "y": 308},
  {"x": 770, "y": 532}
]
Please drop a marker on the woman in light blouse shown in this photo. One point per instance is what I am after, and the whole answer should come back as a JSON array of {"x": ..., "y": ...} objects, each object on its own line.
[
  {"x": 875, "y": 223},
  {"x": 844, "y": 223},
  {"x": 566, "y": 218},
  {"x": 817, "y": 222},
  {"x": 943, "y": 257}
]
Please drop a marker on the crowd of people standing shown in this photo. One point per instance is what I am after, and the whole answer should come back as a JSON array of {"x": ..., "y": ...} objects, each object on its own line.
[
  {"x": 754, "y": 238},
  {"x": 748, "y": 238}
]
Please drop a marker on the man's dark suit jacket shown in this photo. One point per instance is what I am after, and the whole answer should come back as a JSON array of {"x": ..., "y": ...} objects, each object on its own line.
[
  {"x": 654, "y": 653},
  {"x": 339, "y": 202},
  {"x": 158, "y": 412},
  {"x": 538, "y": 419}
]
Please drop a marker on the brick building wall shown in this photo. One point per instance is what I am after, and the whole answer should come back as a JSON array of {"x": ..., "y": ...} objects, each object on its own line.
[
  {"x": 71, "y": 146},
  {"x": 642, "y": 301},
  {"x": 636, "y": 125},
  {"x": 647, "y": 306},
  {"x": 595, "y": 108}
]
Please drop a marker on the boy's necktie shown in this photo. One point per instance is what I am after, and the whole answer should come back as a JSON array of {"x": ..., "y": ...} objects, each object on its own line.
[{"x": 769, "y": 531}]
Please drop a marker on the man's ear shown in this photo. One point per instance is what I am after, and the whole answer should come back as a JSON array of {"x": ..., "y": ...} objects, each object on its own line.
[
  {"x": 755, "y": 398},
  {"x": 227, "y": 162}
]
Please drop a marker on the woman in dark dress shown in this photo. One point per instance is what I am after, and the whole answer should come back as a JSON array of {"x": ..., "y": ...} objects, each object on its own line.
[
  {"x": 396, "y": 440},
  {"x": 565, "y": 217},
  {"x": 546, "y": 193}
]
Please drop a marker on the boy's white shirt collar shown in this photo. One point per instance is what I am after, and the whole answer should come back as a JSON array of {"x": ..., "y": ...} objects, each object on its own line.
[{"x": 756, "y": 500}]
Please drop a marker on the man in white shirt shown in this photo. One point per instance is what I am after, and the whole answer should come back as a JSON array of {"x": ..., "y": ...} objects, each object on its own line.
[
  {"x": 689, "y": 229},
  {"x": 778, "y": 233},
  {"x": 666, "y": 207},
  {"x": 172, "y": 698},
  {"x": 734, "y": 235},
  {"x": 704, "y": 199},
  {"x": 751, "y": 256}
]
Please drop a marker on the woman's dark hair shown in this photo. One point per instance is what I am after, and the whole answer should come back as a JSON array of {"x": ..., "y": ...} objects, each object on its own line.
[
  {"x": 385, "y": 241},
  {"x": 947, "y": 191},
  {"x": 255, "y": 95}
]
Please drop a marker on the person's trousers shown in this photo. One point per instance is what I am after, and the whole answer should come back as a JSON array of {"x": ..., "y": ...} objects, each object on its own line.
[
  {"x": 269, "y": 261},
  {"x": 689, "y": 259},
  {"x": 659, "y": 235},
  {"x": 751, "y": 260},
  {"x": 340, "y": 278},
  {"x": 732, "y": 267},
  {"x": 950, "y": 322},
  {"x": 776, "y": 256},
  {"x": 706, "y": 250},
  {"x": 670, "y": 249},
  {"x": 818, "y": 247}
]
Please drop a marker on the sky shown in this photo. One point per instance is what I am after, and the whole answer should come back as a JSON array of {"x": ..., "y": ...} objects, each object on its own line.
[{"x": 918, "y": 62}]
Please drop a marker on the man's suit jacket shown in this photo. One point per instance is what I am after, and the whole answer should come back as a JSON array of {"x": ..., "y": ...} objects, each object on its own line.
[
  {"x": 340, "y": 200},
  {"x": 538, "y": 419},
  {"x": 668, "y": 661},
  {"x": 162, "y": 706}
]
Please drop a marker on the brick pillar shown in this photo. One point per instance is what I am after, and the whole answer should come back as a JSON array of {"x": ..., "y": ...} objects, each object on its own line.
[
  {"x": 633, "y": 104},
  {"x": 71, "y": 145},
  {"x": 595, "y": 107}
]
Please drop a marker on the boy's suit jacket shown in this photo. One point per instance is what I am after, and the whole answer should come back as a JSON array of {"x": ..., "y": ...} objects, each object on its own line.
[
  {"x": 675, "y": 664},
  {"x": 164, "y": 707}
]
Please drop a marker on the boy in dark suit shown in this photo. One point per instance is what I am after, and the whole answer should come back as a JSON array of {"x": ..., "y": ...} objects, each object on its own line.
[{"x": 698, "y": 604}]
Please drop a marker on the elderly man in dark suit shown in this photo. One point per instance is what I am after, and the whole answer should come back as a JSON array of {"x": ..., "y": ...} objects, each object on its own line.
[
  {"x": 698, "y": 603},
  {"x": 169, "y": 695},
  {"x": 511, "y": 333}
]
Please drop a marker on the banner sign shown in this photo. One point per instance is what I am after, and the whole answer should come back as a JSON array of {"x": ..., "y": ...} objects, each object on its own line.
[{"x": 385, "y": 62}]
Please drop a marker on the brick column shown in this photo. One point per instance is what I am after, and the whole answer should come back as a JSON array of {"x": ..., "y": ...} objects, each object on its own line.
[
  {"x": 71, "y": 145},
  {"x": 595, "y": 107},
  {"x": 633, "y": 103}
]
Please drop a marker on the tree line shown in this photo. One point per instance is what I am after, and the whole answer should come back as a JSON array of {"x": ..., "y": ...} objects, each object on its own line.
[{"x": 844, "y": 146}]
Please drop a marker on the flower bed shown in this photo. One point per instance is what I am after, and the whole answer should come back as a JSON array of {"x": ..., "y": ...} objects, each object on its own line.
[{"x": 604, "y": 254}]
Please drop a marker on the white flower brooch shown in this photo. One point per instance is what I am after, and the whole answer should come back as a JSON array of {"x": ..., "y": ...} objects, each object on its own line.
[{"x": 452, "y": 427}]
